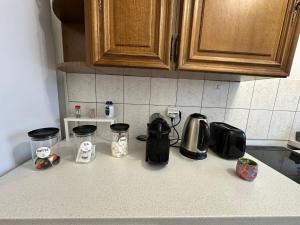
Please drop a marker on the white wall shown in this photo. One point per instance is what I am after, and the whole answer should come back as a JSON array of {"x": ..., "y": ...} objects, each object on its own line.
[{"x": 28, "y": 89}]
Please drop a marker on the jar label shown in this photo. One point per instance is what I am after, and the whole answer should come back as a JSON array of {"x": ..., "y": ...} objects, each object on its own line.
[
  {"x": 85, "y": 152},
  {"x": 123, "y": 141},
  {"x": 43, "y": 152},
  {"x": 86, "y": 146}
]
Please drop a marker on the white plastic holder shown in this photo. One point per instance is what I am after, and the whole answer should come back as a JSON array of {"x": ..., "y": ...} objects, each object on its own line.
[{"x": 85, "y": 119}]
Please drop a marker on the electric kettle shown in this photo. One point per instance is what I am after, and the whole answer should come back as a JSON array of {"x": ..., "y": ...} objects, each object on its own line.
[{"x": 195, "y": 136}]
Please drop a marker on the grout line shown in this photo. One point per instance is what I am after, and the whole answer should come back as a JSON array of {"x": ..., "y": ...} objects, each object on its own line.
[
  {"x": 273, "y": 108},
  {"x": 66, "y": 93},
  {"x": 83, "y": 102},
  {"x": 123, "y": 97},
  {"x": 294, "y": 118},
  {"x": 67, "y": 87},
  {"x": 250, "y": 106},
  {"x": 176, "y": 97},
  {"x": 150, "y": 91},
  {"x": 252, "y": 94},
  {"x": 150, "y": 84},
  {"x": 187, "y": 106},
  {"x": 96, "y": 92},
  {"x": 226, "y": 101},
  {"x": 203, "y": 85},
  {"x": 227, "y": 94}
]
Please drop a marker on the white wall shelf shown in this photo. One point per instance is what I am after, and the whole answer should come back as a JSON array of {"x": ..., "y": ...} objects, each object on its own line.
[{"x": 85, "y": 119}]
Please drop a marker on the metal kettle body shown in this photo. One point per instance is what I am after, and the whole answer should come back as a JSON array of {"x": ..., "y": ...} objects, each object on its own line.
[{"x": 195, "y": 136}]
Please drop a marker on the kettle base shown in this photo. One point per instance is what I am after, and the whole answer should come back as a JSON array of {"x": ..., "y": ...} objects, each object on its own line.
[{"x": 192, "y": 155}]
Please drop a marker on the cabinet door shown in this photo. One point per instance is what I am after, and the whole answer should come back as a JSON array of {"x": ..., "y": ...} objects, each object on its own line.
[
  {"x": 239, "y": 36},
  {"x": 134, "y": 33}
]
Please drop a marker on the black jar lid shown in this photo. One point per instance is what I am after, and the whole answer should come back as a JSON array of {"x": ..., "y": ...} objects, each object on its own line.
[
  {"x": 43, "y": 133},
  {"x": 119, "y": 127},
  {"x": 84, "y": 129}
]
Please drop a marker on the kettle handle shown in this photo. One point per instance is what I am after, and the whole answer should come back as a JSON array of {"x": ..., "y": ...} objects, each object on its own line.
[{"x": 203, "y": 136}]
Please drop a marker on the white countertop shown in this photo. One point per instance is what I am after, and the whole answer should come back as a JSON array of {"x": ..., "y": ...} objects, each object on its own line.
[{"x": 110, "y": 189}]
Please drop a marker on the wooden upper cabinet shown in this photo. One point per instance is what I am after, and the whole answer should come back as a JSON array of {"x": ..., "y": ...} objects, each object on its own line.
[
  {"x": 238, "y": 36},
  {"x": 134, "y": 33}
]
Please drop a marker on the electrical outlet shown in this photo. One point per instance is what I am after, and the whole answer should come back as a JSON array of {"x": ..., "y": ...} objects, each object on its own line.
[{"x": 173, "y": 112}]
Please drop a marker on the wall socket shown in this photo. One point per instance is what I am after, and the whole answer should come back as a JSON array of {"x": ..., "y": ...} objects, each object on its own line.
[{"x": 172, "y": 112}]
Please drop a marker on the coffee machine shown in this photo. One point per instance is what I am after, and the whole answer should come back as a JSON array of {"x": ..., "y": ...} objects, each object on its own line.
[{"x": 158, "y": 142}]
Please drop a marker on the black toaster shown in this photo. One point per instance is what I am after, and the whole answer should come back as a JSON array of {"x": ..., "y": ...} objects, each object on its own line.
[{"x": 227, "y": 141}]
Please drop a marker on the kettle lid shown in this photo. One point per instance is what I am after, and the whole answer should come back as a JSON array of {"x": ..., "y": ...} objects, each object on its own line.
[
  {"x": 198, "y": 116},
  {"x": 159, "y": 125}
]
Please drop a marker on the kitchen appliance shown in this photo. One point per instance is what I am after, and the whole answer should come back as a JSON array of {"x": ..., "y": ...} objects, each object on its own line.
[
  {"x": 284, "y": 160},
  {"x": 158, "y": 142},
  {"x": 227, "y": 141},
  {"x": 195, "y": 137},
  {"x": 295, "y": 143}
]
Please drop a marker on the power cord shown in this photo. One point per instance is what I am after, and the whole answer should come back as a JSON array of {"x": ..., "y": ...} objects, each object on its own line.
[
  {"x": 176, "y": 131},
  {"x": 177, "y": 139}
]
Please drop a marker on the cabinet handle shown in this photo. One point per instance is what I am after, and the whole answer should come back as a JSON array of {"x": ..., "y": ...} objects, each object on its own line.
[
  {"x": 172, "y": 49},
  {"x": 100, "y": 4},
  {"x": 174, "y": 52},
  {"x": 295, "y": 10},
  {"x": 297, "y": 5}
]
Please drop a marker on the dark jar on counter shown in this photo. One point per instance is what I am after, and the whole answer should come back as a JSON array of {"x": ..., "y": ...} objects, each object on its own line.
[{"x": 42, "y": 142}]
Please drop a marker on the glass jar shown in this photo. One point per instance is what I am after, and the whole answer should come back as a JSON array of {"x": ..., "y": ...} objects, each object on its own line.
[
  {"x": 120, "y": 137},
  {"x": 84, "y": 143},
  {"x": 42, "y": 141}
]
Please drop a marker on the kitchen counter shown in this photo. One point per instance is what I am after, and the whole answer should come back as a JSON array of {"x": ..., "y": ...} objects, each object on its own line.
[{"x": 129, "y": 191}]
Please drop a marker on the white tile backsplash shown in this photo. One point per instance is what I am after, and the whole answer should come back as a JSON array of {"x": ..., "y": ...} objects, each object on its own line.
[
  {"x": 237, "y": 118},
  {"x": 240, "y": 94},
  {"x": 189, "y": 92},
  {"x": 247, "y": 105},
  {"x": 137, "y": 116},
  {"x": 258, "y": 124},
  {"x": 281, "y": 124},
  {"x": 214, "y": 114},
  {"x": 215, "y": 93},
  {"x": 84, "y": 108},
  {"x": 264, "y": 94},
  {"x": 136, "y": 90},
  {"x": 104, "y": 130},
  {"x": 163, "y": 91},
  {"x": 118, "y": 111},
  {"x": 288, "y": 95},
  {"x": 162, "y": 110},
  {"x": 109, "y": 88},
  {"x": 81, "y": 87},
  {"x": 296, "y": 126}
]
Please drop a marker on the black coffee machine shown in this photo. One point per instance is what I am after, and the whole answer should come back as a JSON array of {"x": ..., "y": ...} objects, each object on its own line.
[{"x": 158, "y": 142}]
